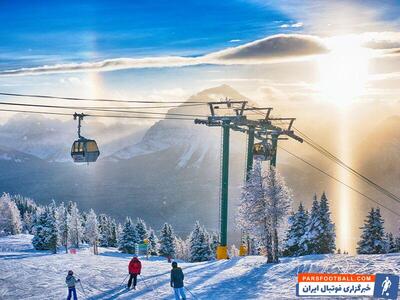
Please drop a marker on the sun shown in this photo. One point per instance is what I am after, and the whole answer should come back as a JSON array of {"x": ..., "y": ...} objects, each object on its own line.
[{"x": 343, "y": 72}]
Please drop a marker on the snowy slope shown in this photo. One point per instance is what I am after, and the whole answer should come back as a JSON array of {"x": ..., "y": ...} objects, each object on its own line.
[{"x": 29, "y": 274}]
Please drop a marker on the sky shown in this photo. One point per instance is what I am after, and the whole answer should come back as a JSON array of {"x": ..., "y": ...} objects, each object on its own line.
[{"x": 332, "y": 61}]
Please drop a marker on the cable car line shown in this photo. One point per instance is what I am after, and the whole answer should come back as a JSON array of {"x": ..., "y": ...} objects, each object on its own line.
[
  {"x": 95, "y": 109},
  {"x": 98, "y": 99},
  {"x": 96, "y": 115},
  {"x": 338, "y": 180},
  {"x": 338, "y": 161}
]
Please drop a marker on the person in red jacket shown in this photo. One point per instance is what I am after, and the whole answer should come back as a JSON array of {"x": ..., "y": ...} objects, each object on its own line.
[{"x": 135, "y": 267}]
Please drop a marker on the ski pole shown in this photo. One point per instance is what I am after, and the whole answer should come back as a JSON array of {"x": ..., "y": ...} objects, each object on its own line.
[
  {"x": 141, "y": 276},
  {"x": 83, "y": 290},
  {"x": 124, "y": 279},
  {"x": 191, "y": 293}
]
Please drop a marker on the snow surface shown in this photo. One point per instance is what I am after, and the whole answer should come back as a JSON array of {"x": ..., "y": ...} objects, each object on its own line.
[{"x": 29, "y": 274}]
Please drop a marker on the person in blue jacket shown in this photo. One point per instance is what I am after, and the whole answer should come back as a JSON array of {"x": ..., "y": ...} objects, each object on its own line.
[{"x": 177, "y": 281}]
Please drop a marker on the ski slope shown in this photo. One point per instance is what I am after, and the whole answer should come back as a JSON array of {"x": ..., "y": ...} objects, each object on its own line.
[{"x": 29, "y": 274}]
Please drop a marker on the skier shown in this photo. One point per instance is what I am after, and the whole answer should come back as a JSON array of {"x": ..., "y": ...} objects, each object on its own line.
[
  {"x": 135, "y": 267},
  {"x": 177, "y": 281},
  {"x": 70, "y": 281}
]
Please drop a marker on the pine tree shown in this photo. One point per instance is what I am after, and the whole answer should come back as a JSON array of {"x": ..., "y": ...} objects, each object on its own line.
[
  {"x": 166, "y": 241},
  {"x": 297, "y": 229},
  {"x": 128, "y": 237},
  {"x": 326, "y": 239},
  {"x": 373, "y": 236},
  {"x": 214, "y": 243},
  {"x": 75, "y": 226},
  {"x": 199, "y": 244},
  {"x": 390, "y": 243},
  {"x": 91, "y": 230},
  {"x": 397, "y": 244},
  {"x": 45, "y": 230},
  {"x": 104, "y": 230},
  {"x": 10, "y": 217},
  {"x": 141, "y": 230},
  {"x": 153, "y": 243},
  {"x": 113, "y": 237},
  {"x": 313, "y": 230},
  {"x": 62, "y": 218}
]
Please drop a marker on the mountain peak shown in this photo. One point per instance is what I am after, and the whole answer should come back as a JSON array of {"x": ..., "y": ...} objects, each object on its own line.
[{"x": 218, "y": 93}]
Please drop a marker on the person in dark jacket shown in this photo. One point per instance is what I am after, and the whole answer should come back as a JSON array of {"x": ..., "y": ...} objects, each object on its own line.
[
  {"x": 135, "y": 267},
  {"x": 70, "y": 281},
  {"x": 177, "y": 281}
]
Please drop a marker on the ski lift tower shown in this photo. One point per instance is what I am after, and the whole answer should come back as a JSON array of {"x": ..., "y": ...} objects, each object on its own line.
[{"x": 224, "y": 121}]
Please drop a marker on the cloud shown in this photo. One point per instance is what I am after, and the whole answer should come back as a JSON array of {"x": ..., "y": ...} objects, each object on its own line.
[
  {"x": 381, "y": 40},
  {"x": 294, "y": 25},
  {"x": 276, "y": 48}
]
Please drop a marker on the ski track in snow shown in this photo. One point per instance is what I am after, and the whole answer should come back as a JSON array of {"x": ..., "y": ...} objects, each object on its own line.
[{"x": 29, "y": 274}]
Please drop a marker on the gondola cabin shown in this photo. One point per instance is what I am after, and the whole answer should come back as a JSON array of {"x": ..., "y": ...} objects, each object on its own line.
[
  {"x": 84, "y": 151},
  {"x": 261, "y": 151}
]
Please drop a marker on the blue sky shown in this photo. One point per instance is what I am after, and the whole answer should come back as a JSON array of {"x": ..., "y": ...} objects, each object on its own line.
[{"x": 43, "y": 32}]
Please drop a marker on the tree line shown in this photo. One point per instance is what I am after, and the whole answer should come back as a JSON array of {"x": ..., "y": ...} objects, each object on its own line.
[{"x": 64, "y": 226}]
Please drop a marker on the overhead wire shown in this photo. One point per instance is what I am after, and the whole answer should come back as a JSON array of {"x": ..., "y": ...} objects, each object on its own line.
[
  {"x": 338, "y": 180},
  {"x": 96, "y": 99},
  {"x": 95, "y": 109}
]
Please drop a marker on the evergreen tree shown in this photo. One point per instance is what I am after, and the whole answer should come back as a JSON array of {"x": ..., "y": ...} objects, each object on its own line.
[
  {"x": 234, "y": 251},
  {"x": 313, "y": 230},
  {"x": 373, "y": 236},
  {"x": 92, "y": 230},
  {"x": 45, "y": 231},
  {"x": 104, "y": 230},
  {"x": 153, "y": 243},
  {"x": 113, "y": 236},
  {"x": 214, "y": 243},
  {"x": 166, "y": 241},
  {"x": 27, "y": 209},
  {"x": 199, "y": 244},
  {"x": 297, "y": 229},
  {"x": 75, "y": 226},
  {"x": 128, "y": 238},
  {"x": 326, "y": 239},
  {"x": 397, "y": 244},
  {"x": 141, "y": 230},
  {"x": 391, "y": 246},
  {"x": 10, "y": 217}
]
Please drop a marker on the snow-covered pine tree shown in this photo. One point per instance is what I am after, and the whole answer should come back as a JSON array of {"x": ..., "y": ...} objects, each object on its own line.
[
  {"x": 252, "y": 216},
  {"x": 313, "y": 230},
  {"x": 153, "y": 243},
  {"x": 327, "y": 237},
  {"x": 104, "y": 230},
  {"x": 279, "y": 201},
  {"x": 62, "y": 225},
  {"x": 214, "y": 243},
  {"x": 199, "y": 244},
  {"x": 141, "y": 230},
  {"x": 397, "y": 244},
  {"x": 166, "y": 241},
  {"x": 92, "y": 230},
  {"x": 10, "y": 217},
  {"x": 297, "y": 229},
  {"x": 75, "y": 226},
  {"x": 45, "y": 230},
  {"x": 373, "y": 235},
  {"x": 27, "y": 209},
  {"x": 113, "y": 237},
  {"x": 390, "y": 243},
  {"x": 128, "y": 237}
]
